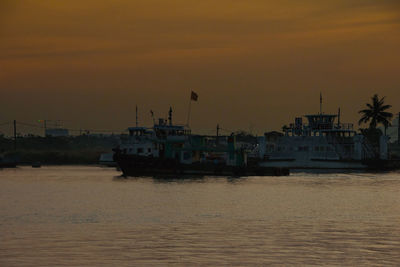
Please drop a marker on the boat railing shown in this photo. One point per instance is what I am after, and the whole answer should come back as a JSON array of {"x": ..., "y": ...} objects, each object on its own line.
[
  {"x": 345, "y": 126},
  {"x": 369, "y": 150},
  {"x": 333, "y": 139},
  {"x": 340, "y": 144}
]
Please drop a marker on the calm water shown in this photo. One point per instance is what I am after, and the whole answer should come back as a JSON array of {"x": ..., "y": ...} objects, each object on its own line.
[{"x": 78, "y": 215}]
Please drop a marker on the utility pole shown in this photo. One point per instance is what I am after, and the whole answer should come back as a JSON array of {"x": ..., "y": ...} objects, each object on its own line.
[
  {"x": 217, "y": 133},
  {"x": 137, "y": 123},
  {"x": 398, "y": 130},
  {"x": 15, "y": 135}
]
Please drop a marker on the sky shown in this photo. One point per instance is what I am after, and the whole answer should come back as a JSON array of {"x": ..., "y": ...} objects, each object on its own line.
[{"x": 254, "y": 64}]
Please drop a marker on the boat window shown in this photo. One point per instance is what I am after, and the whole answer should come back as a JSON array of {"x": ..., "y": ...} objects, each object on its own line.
[
  {"x": 140, "y": 150},
  {"x": 186, "y": 155}
]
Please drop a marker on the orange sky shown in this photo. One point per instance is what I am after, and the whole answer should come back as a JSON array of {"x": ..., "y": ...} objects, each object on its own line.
[{"x": 255, "y": 64}]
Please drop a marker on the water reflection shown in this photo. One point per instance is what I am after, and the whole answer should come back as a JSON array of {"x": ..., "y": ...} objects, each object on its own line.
[
  {"x": 90, "y": 216},
  {"x": 181, "y": 178}
]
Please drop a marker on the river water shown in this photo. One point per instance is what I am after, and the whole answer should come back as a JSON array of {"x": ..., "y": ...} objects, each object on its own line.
[{"x": 87, "y": 215}]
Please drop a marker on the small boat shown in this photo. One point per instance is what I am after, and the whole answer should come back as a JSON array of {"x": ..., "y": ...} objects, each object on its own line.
[
  {"x": 107, "y": 159},
  {"x": 36, "y": 164},
  {"x": 9, "y": 161}
]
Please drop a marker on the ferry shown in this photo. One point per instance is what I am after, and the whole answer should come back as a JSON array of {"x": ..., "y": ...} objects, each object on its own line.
[
  {"x": 322, "y": 142},
  {"x": 170, "y": 149}
]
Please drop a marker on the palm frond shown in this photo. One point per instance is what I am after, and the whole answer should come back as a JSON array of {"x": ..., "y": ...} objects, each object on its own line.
[
  {"x": 375, "y": 112},
  {"x": 382, "y": 108}
]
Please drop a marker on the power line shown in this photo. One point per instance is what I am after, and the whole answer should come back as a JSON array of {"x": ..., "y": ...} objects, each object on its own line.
[
  {"x": 71, "y": 129},
  {"x": 5, "y": 123}
]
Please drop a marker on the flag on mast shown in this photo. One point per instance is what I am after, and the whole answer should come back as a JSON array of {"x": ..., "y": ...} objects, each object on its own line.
[{"x": 194, "y": 96}]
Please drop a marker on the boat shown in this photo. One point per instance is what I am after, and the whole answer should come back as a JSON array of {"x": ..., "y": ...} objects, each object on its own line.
[
  {"x": 36, "y": 164},
  {"x": 8, "y": 161},
  {"x": 323, "y": 142},
  {"x": 170, "y": 149},
  {"x": 107, "y": 160}
]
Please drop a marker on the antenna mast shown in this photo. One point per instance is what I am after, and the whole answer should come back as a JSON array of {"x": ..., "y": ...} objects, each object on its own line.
[
  {"x": 320, "y": 103},
  {"x": 152, "y": 116},
  {"x": 170, "y": 116}
]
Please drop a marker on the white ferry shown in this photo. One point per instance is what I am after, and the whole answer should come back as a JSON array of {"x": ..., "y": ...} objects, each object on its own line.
[{"x": 320, "y": 143}]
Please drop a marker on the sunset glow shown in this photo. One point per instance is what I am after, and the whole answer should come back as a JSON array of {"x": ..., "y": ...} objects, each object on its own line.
[{"x": 254, "y": 64}]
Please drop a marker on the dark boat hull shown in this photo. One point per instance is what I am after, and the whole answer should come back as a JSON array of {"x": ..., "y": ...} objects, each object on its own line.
[
  {"x": 9, "y": 161},
  {"x": 133, "y": 165},
  {"x": 8, "y": 165}
]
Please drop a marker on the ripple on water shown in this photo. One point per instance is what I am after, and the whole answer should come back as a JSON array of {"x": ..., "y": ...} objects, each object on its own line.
[{"x": 86, "y": 216}]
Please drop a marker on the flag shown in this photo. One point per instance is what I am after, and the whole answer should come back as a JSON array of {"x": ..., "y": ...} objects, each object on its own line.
[{"x": 193, "y": 96}]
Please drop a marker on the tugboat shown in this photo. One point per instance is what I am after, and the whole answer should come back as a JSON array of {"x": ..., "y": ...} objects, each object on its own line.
[{"x": 168, "y": 149}]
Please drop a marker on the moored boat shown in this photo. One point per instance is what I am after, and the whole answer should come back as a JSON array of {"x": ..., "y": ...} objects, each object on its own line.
[
  {"x": 9, "y": 161},
  {"x": 321, "y": 143},
  {"x": 172, "y": 149}
]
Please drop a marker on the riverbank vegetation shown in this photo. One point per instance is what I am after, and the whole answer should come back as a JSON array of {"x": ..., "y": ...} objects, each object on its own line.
[
  {"x": 83, "y": 149},
  {"x": 376, "y": 113}
]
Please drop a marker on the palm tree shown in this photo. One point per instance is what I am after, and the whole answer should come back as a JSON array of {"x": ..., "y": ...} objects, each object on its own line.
[{"x": 375, "y": 113}]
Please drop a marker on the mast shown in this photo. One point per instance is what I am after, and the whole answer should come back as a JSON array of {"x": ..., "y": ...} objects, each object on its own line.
[
  {"x": 15, "y": 135},
  {"x": 170, "y": 116},
  {"x": 189, "y": 109},
  {"x": 398, "y": 130},
  {"x": 194, "y": 97},
  {"x": 320, "y": 103},
  {"x": 217, "y": 133},
  {"x": 152, "y": 116}
]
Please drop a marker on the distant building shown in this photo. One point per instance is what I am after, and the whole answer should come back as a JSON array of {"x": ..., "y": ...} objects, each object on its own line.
[{"x": 57, "y": 132}]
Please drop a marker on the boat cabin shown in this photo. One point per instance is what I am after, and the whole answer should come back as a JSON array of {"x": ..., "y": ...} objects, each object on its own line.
[{"x": 320, "y": 125}]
